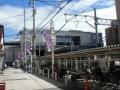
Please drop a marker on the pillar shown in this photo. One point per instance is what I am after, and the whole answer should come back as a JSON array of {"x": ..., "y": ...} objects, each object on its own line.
[
  {"x": 88, "y": 61},
  {"x": 76, "y": 63},
  {"x": 66, "y": 63},
  {"x": 59, "y": 62},
  {"x": 108, "y": 61}
]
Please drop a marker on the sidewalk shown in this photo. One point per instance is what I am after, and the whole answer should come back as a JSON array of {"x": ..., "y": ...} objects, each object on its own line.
[{"x": 16, "y": 79}]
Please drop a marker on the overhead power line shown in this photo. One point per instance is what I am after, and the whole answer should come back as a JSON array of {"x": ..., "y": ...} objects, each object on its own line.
[
  {"x": 67, "y": 9},
  {"x": 11, "y": 17},
  {"x": 14, "y": 16},
  {"x": 89, "y": 7},
  {"x": 47, "y": 3},
  {"x": 51, "y": 12},
  {"x": 10, "y": 35},
  {"x": 17, "y": 24}
]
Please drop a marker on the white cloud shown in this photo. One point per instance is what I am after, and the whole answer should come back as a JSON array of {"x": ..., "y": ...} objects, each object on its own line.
[
  {"x": 107, "y": 3},
  {"x": 42, "y": 12}
]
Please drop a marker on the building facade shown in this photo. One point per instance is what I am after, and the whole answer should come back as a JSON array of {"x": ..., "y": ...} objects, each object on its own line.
[
  {"x": 113, "y": 33},
  {"x": 11, "y": 51},
  {"x": 72, "y": 38}
]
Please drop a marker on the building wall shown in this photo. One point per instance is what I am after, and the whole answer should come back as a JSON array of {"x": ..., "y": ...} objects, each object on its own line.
[
  {"x": 11, "y": 53},
  {"x": 117, "y": 2},
  {"x": 112, "y": 37}
]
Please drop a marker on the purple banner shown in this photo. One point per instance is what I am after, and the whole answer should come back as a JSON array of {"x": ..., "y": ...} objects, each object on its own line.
[
  {"x": 22, "y": 53},
  {"x": 47, "y": 38},
  {"x": 28, "y": 49}
]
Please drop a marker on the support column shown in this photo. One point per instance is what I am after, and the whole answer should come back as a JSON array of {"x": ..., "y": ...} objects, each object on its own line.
[
  {"x": 108, "y": 61},
  {"x": 88, "y": 61},
  {"x": 80, "y": 64},
  {"x": 76, "y": 63},
  {"x": 95, "y": 59},
  {"x": 59, "y": 62},
  {"x": 66, "y": 63}
]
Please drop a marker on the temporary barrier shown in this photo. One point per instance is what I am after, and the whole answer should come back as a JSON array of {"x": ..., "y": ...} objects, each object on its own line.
[
  {"x": 87, "y": 85},
  {"x": 2, "y": 86}
]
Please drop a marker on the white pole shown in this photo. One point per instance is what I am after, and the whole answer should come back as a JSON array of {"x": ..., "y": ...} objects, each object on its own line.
[
  {"x": 52, "y": 48},
  {"x": 48, "y": 73},
  {"x": 34, "y": 35},
  {"x": 65, "y": 78}
]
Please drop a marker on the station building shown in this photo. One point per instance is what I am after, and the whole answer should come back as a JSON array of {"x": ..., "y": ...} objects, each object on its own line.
[{"x": 72, "y": 40}]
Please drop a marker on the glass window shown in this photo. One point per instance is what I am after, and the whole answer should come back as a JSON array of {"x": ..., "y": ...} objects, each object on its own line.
[
  {"x": 67, "y": 39},
  {"x": 63, "y": 39},
  {"x": 70, "y": 39}
]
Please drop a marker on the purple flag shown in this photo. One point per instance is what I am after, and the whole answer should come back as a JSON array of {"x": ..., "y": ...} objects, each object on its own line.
[
  {"x": 28, "y": 49},
  {"x": 47, "y": 37}
]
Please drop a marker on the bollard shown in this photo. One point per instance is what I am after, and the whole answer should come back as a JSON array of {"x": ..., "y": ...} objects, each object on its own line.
[
  {"x": 48, "y": 73},
  {"x": 43, "y": 72},
  {"x": 65, "y": 78},
  {"x": 55, "y": 76}
]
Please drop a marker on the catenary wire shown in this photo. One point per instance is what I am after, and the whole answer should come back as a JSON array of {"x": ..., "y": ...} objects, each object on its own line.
[
  {"x": 54, "y": 15},
  {"x": 67, "y": 10},
  {"x": 82, "y": 12}
]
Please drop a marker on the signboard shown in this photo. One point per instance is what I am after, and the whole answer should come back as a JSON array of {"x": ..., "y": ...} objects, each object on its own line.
[{"x": 117, "y": 62}]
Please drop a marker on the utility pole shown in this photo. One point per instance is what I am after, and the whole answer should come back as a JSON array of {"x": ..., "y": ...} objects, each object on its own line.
[
  {"x": 52, "y": 48},
  {"x": 96, "y": 28},
  {"x": 34, "y": 36},
  {"x": 24, "y": 39}
]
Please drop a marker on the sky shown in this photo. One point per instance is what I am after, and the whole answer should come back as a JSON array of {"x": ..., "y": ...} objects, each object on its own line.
[{"x": 12, "y": 15}]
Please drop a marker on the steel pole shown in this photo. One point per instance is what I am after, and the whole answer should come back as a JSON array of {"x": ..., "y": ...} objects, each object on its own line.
[{"x": 96, "y": 28}]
